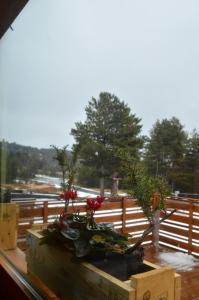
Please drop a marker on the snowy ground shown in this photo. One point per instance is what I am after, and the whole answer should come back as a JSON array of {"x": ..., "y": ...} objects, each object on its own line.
[{"x": 180, "y": 261}]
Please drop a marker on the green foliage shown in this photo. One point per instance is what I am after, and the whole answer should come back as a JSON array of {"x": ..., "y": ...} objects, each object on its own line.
[
  {"x": 109, "y": 126},
  {"x": 165, "y": 149},
  {"x": 83, "y": 240},
  {"x": 190, "y": 179},
  {"x": 68, "y": 164},
  {"x": 143, "y": 186}
]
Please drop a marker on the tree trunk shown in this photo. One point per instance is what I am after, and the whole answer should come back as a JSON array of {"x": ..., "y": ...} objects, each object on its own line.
[
  {"x": 102, "y": 181},
  {"x": 195, "y": 181},
  {"x": 102, "y": 186}
]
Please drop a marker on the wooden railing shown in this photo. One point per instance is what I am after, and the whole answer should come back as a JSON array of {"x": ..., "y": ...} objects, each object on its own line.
[
  {"x": 125, "y": 213},
  {"x": 180, "y": 231}
]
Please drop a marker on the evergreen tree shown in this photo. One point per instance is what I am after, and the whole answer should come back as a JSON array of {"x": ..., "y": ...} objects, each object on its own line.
[
  {"x": 109, "y": 126},
  {"x": 191, "y": 164},
  {"x": 165, "y": 150}
]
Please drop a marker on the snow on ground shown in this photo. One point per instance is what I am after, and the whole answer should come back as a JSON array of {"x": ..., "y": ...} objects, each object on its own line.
[
  {"x": 86, "y": 194},
  {"x": 180, "y": 261}
]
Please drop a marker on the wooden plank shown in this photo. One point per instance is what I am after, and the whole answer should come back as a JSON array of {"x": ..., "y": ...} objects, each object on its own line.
[
  {"x": 8, "y": 225},
  {"x": 131, "y": 203},
  {"x": 146, "y": 285},
  {"x": 111, "y": 205},
  {"x": 27, "y": 212},
  {"x": 82, "y": 208},
  {"x": 196, "y": 207},
  {"x": 54, "y": 211},
  {"x": 115, "y": 218},
  {"x": 196, "y": 222},
  {"x": 22, "y": 229},
  {"x": 173, "y": 230},
  {"x": 173, "y": 223},
  {"x": 179, "y": 218},
  {"x": 17, "y": 258},
  {"x": 195, "y": 235},
  {"x": 177, "y": 205},
  {"x": 173, "y": 242},
  {"x": 183, "y": 199},
  {"x": 133, "y": 216},
  {"x": 134, "y": 227},
  {"x": 195, "y": 248}
]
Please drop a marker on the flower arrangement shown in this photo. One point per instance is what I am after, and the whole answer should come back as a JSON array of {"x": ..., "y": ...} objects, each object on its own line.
[{"x": 81, "y": 234}]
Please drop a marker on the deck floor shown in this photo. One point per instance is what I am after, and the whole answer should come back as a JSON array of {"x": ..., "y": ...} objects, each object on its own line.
[{"x": 189, "y": 274}]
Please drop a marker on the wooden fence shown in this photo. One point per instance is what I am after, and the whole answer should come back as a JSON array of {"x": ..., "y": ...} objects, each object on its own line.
[
  {"x": 180, "y": 231},
  {"x": 125, "y": 213}
]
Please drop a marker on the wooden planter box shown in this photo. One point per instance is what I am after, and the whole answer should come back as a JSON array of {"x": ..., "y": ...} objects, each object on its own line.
[
  {"x": 83, "y": 281},
  {"x": 8, "y": 225}
]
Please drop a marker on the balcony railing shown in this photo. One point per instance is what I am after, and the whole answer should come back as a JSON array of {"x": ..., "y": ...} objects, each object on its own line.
[
  {"x": 180, "y": 231},
  {"x": 125, "y": 213}
]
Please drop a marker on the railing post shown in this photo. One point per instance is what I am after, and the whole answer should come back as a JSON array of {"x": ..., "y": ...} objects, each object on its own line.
[
  {"x": 190, "y": 226},
  {"x": 123, "y": 214},
  {"x": 45, "y": 212}
]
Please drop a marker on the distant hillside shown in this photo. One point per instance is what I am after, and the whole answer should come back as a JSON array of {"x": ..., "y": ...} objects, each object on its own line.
[{"x": 23, "y": 162}]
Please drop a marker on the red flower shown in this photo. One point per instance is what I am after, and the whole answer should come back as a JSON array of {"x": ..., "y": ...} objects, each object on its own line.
[
  {"x": 68, "y": 195},
  {"x": 100, "y": 199},
  {"x": 94, "y": 204}
]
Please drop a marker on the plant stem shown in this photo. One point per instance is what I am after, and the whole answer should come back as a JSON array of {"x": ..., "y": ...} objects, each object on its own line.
[{"x": 147, "y": 231}]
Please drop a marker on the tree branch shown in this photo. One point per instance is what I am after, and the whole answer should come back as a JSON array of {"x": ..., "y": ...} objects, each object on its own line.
[{"x": 147, "y": 231}]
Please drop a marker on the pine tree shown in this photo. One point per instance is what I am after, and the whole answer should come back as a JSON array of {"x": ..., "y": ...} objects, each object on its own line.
[
  {"x": 109, "y": 126},
  {"x": 165, "y": 150}
]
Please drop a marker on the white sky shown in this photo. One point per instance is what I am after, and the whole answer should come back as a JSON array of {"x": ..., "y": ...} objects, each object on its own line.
[{"x": 61, "y": 53}]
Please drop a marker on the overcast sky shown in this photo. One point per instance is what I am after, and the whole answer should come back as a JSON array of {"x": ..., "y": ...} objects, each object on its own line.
[{"x": 61, "y": 53}]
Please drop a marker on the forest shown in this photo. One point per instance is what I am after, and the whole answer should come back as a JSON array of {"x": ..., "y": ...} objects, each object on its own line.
[{"x": 110, "y": 133}]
